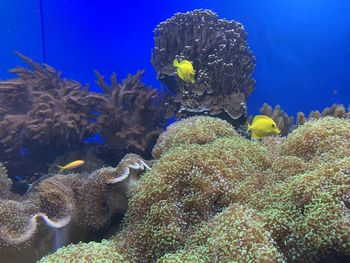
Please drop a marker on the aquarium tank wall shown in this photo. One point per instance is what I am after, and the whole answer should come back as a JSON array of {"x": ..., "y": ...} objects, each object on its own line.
[{"x": 193, "y": 131}]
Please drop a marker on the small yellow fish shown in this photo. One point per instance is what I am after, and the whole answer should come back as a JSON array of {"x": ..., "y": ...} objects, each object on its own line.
[
  {"x": 71, "y": 165},
  {"x": 185, "y": 70},
  {"x": 263, "y": 126}
]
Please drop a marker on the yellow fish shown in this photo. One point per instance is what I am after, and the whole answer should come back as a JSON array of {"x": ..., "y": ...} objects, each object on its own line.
[
  {"x": 184, "y": 70},
  {"x": 263, "y": 126},
  {"x": 71, "y": 165}
]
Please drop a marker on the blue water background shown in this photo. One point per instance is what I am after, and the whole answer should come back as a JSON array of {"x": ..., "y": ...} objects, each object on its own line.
[{"x": 302, "y": 48}]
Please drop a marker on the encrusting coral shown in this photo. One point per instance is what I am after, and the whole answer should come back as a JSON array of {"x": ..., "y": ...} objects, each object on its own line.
[
  {"x": 230, "y": 199},
  {"x": 72, "y": 204},
  {"x": 220, "y": 55}
]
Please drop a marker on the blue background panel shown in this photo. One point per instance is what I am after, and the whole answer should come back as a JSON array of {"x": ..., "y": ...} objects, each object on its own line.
[
  {"x": 20, "y": 29},
  {"x": 302, "y": 48}
]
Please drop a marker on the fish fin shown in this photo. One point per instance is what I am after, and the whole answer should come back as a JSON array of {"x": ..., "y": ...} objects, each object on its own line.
[
  {"x": 176, "y": 63},
  {"x": 61, "y": 168},
  {"x": 261, "y": 117},
  {"x": 181, "y": 74},
  {"x": 249, "y": 126},
  {"x": 187, "y": 63},
  {"x": 254, "y": 136}
]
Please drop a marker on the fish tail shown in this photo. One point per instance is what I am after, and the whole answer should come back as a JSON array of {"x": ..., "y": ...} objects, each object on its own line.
[
  {"x": 175, "y": 62},
  {"x": 249, "y": 126},
  {"x": 61, "y": 168}
]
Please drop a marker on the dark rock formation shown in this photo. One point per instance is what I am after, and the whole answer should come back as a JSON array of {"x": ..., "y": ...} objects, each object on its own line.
[{"x": 219, "y": 53}]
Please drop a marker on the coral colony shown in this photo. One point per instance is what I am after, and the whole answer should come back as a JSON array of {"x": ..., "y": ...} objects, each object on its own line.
[
  {"x": 223, "y": 62},
  {"x": 197, "y": 191}
]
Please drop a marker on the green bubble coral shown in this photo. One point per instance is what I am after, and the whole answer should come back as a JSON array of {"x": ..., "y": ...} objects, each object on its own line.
[
  {"x": 323, "y": 139},
  {"x": 193, "y": 130},
  {"x": 187, "y": 185},
  {"x": 235, "y": 235},
  {"x": 92, "y": 252},
  {"x": 227, "y": 199},
  {"x": 308, "y": 214}
]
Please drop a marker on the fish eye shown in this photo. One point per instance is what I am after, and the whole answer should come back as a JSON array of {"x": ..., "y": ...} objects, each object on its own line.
[{"x": 273, "y": 125}]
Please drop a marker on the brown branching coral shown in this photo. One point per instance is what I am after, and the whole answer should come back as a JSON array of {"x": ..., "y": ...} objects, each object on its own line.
[
  {"x": 79, "y": 203},
  {"x": 38, "y": 108},
  {"x": 286, "y": 124},
  {"x": 43, "y": 116},
  {"x": 131, "y": 114},
  {"x": 283, "y": 121},
  {"x": 336, "y": 110},
  {"x": 223, "y": 62}
]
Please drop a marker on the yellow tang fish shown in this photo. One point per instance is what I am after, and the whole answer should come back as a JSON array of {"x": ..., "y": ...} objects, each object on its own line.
[
  {"x": 71, "y": 165},
  {"x": 184, "y": 70},
  {"x": 263, "y": 126}
]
